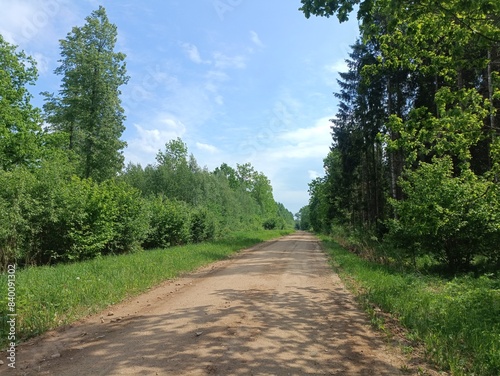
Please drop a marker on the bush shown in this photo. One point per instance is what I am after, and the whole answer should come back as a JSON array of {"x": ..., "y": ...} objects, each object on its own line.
[
  {"x": 452, "y": 218},
  {"x": 50, "y": 216},
  {"x": 168, "y": 223},
  {"x": 17, "y": 208},
  {"x": 275, "y": 223},
  {"x": 202, "y": 225},
  {"x": 98, "y": 219},
  {"x": 270, "y": 224},
  {"x": 129, "y": 220}
]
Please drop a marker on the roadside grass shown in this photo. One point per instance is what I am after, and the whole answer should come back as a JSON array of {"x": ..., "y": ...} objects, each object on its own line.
[
  {"x": 457, "y": 321},
  {"x": 51, "y": 296}
]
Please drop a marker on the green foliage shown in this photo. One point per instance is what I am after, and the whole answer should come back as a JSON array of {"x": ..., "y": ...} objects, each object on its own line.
[
  {"x": 417, "y": 127},
  {"x": 54, "y": 216},
  {"x": 458, "y": 321},
  {"x": 451, "y": 217},
  {"x": 88, "y": 109},
  {"x": 15, "y": 212},
  {"x": 202, "y": 225},
  {"x": 226, "y": 199},
  {"x": 303, "y": 219},
  {"x": 169, "y": 223},
  {"x": 19, "y": 120},
  {"x": 270, "y": 224},
  {"x": 175, "y": 155}
]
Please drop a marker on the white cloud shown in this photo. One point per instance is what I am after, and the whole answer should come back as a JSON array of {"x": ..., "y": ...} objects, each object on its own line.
[
  {"x": 147, "y": 142},
  {"x": 223, "y": 61},
  {"x": 15, "y": 19},
  {"x": 216, "y": 75},
  {"x": 192, "y": 52},
  {"x": 24, "y": 21},
  {"x": 338, "y": 66},
  {"x": 309, "y": 142},
  {"x": 255, "y": 39},
  {"x": 207, "y": 147},
  {"x": 313, "y": 174},
  {"x": 42, "y": 62}
]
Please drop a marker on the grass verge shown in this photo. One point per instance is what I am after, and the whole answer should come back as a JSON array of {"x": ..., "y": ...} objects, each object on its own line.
[
  {"x": 51, "y": 296},
  {"x": 458, "y": 320}
]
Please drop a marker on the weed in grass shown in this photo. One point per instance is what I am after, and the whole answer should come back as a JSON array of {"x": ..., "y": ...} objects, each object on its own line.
[
  {"x": 407, "y": 350},
  {"x": 405, "y": 369}
]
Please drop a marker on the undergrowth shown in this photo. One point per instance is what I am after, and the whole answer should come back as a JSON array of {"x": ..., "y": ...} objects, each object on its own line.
[{"x": 457, "y": 320}]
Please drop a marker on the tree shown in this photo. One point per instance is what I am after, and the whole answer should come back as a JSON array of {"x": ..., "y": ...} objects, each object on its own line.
[
  {"x": 88, "y": 108},
  {"x": 19, "y": 120},
  {"x": 302, "y": 219},
  {"x": 174, "y": 156},
  {"x": 425, "y": 76},
  {"x": 229, "y": 173}
]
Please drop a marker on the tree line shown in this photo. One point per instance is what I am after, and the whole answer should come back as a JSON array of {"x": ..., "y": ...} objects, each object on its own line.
[
  {"x": 414, "y": 160},
  {"x": 65, "y": 193}
]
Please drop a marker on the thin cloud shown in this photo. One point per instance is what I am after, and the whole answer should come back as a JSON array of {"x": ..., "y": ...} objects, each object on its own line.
[
  {"x": 207, "y": 147},
  {"x": 148, "y": 141},
  {"x": 193, "y": 54},
  {"x": 338, "y": 66},
  {"x": 223, "y": 61},
  {"x": 302, "y": 143},
  {"x": 216, "y": 75},
  {"x": 42, "y": 62},
  {"x": 313, "y": 174},
  {"x": 31, "y": 20},
  {"x": 255, "y": 39}
]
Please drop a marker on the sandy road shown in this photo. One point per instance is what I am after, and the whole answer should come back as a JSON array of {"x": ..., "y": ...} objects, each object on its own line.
[{"x": 275, "y": 309}]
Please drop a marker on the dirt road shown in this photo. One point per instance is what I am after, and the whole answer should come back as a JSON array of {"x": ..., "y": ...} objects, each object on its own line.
[{"x": 275, "y": 309}]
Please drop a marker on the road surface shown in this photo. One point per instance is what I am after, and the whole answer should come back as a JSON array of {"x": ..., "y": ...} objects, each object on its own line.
[{"x": 275, "y": 309}]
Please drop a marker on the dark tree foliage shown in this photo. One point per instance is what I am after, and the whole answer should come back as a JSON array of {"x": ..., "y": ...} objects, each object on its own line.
[{"x": 419, "y": 109}]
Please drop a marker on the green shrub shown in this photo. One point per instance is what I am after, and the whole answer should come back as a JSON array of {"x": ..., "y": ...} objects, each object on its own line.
[
  {"x": 452, "y": 218},
  {"x": 168, "y": 223},
  {"x": 270, "y": 224},
  {"x": 202, "y": 225},
  {"x": 17, "y": 208},
  {"x": 50, "y": 216}
]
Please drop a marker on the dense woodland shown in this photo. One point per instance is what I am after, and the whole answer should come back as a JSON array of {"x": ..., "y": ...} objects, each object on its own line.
[
  {"x": 65, "y": 192},
  {"x": 415, "y": 160}
]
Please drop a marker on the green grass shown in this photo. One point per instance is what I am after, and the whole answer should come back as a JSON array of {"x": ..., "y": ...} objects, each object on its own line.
[
  {"x": 51, "y": 296},
  {"x": 458, "y": 320}
]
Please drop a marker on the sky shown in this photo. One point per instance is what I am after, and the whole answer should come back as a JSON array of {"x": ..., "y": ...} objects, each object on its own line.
[{"x": 237, "y": 80}]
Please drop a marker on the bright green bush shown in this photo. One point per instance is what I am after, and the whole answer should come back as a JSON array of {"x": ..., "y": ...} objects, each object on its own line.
[
  {"x": 453, "y": 218},
  {"x": 17, "y": 208},
  {"x": 168, "y": 223},
  {"x": 130, "y": 219},
  {"x": 50, "y": 216}
]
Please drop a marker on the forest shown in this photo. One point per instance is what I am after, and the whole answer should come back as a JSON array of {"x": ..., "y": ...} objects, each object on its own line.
[
  {"x": 67, "y": 195},
  {"x": 412, "y": 173}
]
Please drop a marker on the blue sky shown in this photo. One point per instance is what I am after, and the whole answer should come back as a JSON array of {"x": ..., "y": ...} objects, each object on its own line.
[{"x": 238, "y": 80}]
